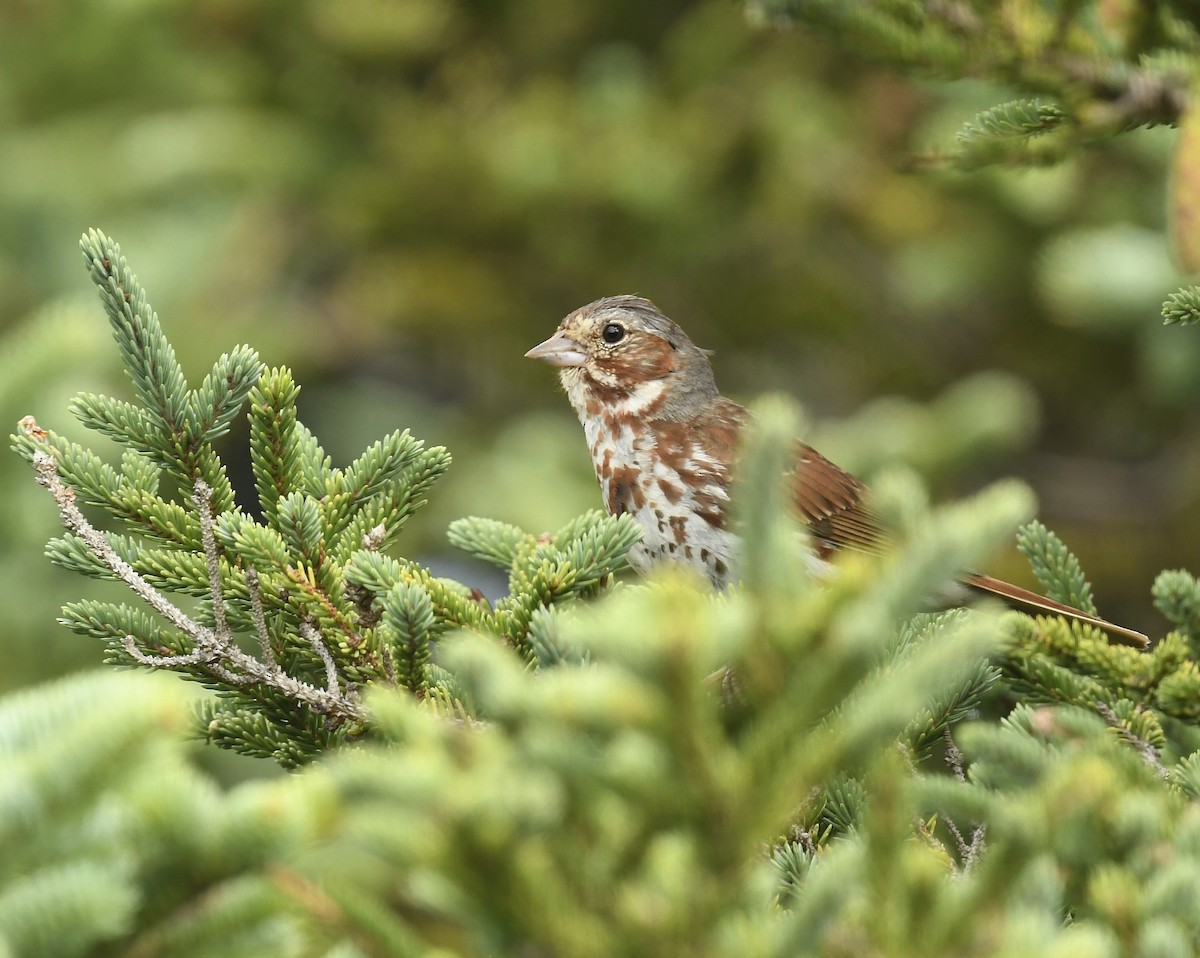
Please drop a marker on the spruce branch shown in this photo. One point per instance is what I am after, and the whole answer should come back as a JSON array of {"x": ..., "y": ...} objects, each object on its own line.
[
  {"x": 1056, "y": 567},
  {"x": 259, "y": 616},
  {"x": 274, "y": 439},
  {"x": 1182, "y": 307},
  {"x": 309, "y": 631},
  {"x": 129, "y": 644},
  {"x": 213, "y": 407},
  {"x": 1147, "y": 751},
  {"x": 149, "y": 358},
  {"x": 1076, "y": 83},
  {"x": 1014, "y": 119},
  {"x": 488, "y": 539},
  {"x": 968, "y": 852},
  {"x": 203, "y": 501},
  {"x": 215, "y": 650},
  {"x": 1177, "y": 596},
  {"x": 1016, "y": 132},
  {"x": 331, "y": 612},
  {"x": 954, "y": 756},
  {"x": 408, "y": 621},
  {"x": 119, "y": 420}
]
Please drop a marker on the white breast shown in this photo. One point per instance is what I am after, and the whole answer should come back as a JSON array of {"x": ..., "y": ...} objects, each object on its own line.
[{"x": 664, "y": 507}]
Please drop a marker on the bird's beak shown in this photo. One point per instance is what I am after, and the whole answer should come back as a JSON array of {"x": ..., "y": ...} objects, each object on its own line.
[{"x": 559, "y": 350}]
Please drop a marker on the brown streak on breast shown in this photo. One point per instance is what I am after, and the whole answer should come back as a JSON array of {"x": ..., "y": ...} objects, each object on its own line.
[
  {"x": 698, "y": 453},
  {"x": 679, "y": 528},
  {"x": 671, "y": 441},
  {"x": 624, "y": 492}
]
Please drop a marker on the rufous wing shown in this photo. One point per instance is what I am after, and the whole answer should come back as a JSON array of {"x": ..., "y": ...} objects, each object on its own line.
[{"x": 834, "y": 505}]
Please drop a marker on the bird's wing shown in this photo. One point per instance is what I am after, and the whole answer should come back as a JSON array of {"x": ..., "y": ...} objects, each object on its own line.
[{"x": 834, "y": 506}]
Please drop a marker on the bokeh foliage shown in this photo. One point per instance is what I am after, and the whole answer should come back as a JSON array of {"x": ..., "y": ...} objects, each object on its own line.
[
  {"x": 310, "y": 575},
  {"x": 400, "y": 198},
  {"x": 397, "y": 200},
  {"x": 750, "y": 773}
]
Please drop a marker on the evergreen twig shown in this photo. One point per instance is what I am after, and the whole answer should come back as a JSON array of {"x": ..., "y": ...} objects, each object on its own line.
[
  {"x": 309, "y": 631},
  {"x": 216, "y": 650},
  {"x": 259, "y": 615},
  {"x": 1140, "y": 745},
  {"x": 954, "y": 757}
]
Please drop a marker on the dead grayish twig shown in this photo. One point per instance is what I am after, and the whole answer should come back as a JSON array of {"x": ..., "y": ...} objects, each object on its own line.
[
  {"x": 309, "y": 631},
  {"x": 968, "y": 852},
  {"x": 214, "y": 650},
  {"x": 954, "y": 758},
  {"x": 1143, "y": 748},
  {"x": 259, "y": 615}
]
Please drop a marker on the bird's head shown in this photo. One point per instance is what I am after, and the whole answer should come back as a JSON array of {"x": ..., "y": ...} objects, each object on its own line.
[{"x": 621, "y": 354}]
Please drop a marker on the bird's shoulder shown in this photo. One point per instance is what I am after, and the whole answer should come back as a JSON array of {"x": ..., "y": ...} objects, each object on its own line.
[{"x": 710, "y": 434}]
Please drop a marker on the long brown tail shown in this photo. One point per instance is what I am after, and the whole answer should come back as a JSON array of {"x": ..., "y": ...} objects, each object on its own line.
[{"x": 1027, "y": 601}]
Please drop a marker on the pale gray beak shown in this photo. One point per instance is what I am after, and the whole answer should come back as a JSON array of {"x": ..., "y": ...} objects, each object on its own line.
[{"x": 559, "y": 350}]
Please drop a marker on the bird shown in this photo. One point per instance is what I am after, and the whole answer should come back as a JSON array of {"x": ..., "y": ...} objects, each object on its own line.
[{"x": 663, "y": 441}]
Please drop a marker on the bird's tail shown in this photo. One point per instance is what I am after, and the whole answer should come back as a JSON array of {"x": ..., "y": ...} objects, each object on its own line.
[{"x": 1027, "y": 601}]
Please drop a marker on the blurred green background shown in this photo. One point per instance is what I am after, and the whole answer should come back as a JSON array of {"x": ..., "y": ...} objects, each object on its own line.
[{"x": 397, "y": 199}]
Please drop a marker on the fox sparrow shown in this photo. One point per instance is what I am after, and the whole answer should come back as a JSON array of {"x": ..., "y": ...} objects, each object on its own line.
[{"x": 663, "y": 441}]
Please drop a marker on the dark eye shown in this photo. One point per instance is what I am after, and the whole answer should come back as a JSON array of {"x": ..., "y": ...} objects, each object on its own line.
[{"x": 613, "y": 333}]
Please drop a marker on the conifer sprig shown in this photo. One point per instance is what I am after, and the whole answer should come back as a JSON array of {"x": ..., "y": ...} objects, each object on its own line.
[
  {"x": 1015, "y": 132},
  {"x": 1182, "y": 308},
  {"x": 1107, "y": 72},
  {"x": 215, "y": 650},
  {"x": 148, "y": 357},
  {"x": 1056, "y": 567},
  {"x": 174, "y": 424},
  {"x": 308, "y": 583}
]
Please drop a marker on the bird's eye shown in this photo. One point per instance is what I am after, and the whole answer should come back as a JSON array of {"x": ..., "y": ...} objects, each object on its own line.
[{"x": 613, "y": 333}]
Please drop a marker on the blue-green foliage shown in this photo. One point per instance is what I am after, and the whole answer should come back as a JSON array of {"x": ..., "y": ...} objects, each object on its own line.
[
  {"x": 1056, "y": 568},
  {"x": 794, "y": 767},
  {"x": 307, "y": 580},
  {"x": 114, "y": 843}
]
